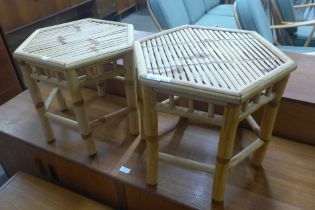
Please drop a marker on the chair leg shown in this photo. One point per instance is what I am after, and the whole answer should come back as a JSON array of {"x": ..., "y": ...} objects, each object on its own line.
[
  {"x": 141, "y": 112},
  {"x": 38, "y": 101},
  {"x": 268, "y": 122},
  {"x": 309, "y": 38},
  {"x": 151, "y": 134},
  {"x": 80, "y": 112},
  {"x": 225, "y": 149},
  {"x": 131, "y": 93},
  {"x": 141, "y": 119}
]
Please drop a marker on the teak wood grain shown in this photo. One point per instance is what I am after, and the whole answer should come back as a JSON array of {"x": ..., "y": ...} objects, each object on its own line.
[
  {"x": 26, "y": 12},
  {"x": 286, "y": 180},
  {"x": 9, "y": 83},
  {"x": 25, "y": 192}
]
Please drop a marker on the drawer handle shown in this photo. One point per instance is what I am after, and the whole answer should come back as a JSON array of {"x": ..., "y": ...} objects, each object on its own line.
[
  {"x": 40, "y": 166},
  {"x": 53, "y": 173}
]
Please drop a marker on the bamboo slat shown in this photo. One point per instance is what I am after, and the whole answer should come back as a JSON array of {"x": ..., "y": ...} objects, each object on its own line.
[
  {"x": 76, "y": 43},
  {"x": 236, "y": 63}
]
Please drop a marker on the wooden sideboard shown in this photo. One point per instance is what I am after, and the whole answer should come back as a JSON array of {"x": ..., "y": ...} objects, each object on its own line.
[
  {"x": 27, "y": 192},
  {"x": 288, "y": 167},
  {"x": 123, "y": 5},
  {"x": 17, "y": 13},
  {"x": 9, "y": 83}
]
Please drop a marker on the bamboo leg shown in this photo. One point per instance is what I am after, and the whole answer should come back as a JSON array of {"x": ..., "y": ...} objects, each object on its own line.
[
  {"x": 151, "y": 134},
  {"x": 61, "y": 101},
  {"x": 79, "y": 110},
  {"x": 225, "y": 149},
  {"x": 268, "y": 121},
  {"x": 141, "y": 115},
  {"x": 131, "y": 93},
  {"x": 38, "y": 101},
  {"x": 101, "y": 84}
]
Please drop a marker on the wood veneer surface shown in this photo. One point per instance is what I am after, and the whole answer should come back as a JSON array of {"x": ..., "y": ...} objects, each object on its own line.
[
  {"x": 301, "y": 84},
  {"x": 286, "y": 180},
  {"x": 25, "y": 192}
]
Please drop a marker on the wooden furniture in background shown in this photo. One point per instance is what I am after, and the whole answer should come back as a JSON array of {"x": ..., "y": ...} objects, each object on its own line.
[
  {"x": 124, "y": 5},
  {"x": 9, "y": 83},
  {"x": 26, "y": 12},
  {"x": 22, "y": 147},
  {"x": 211, "y": 66},
  {"x": 31, "y": 15},
  {"x": 104, "y": 8},
  {"x": 298, "y": 105},
  {"x": 25, "y": 192},
  {"x": 71, "y": 56}
]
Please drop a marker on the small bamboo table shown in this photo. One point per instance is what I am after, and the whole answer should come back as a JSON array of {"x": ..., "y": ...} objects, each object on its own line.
[
  {"x": 238, "y": 70},
  {"x": 73, "y": 55}
]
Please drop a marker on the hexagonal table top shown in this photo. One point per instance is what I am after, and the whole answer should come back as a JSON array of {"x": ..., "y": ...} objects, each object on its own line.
[
  {"x": 73, "y": 44},
  {"x": 217, "y": 62}
]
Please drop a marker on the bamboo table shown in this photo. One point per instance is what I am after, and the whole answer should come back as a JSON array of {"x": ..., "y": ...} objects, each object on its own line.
[
  {"x": 238, "y": 70},
  {"x": 73, "y": 55}
]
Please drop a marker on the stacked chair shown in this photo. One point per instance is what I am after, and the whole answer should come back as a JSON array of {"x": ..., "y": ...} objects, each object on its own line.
[
  {"x": 250, "y": 15},
  {"x": 294, "y": 32},
  {"x": 169, "y": 14}
]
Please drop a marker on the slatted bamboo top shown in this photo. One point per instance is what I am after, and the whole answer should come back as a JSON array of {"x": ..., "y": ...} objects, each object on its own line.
[
  {"x": 226, "y": 62},
  {"x": 76, "y": 43}
]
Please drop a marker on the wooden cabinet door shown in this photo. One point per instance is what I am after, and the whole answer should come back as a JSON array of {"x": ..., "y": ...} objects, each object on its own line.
[
  {"x": 17, "y": 156},
  {"x": 83, "y": 180},
  {"x": 122, "y": 5},
  {"x": 16, "y": 13},
  {"x": 9, "y": 84},
  {"x": 132, "y": 2}
]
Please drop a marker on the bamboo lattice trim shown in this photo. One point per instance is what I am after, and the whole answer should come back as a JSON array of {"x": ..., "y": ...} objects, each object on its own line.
[
  {"x": 224, "y": 61},
  {"x": 76, "y": 42}
]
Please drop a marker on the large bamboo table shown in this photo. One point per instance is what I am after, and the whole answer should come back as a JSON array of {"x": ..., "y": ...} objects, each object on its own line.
[
  {"x": 237, "y": 70},
  {"x": 73, "y": 55}
]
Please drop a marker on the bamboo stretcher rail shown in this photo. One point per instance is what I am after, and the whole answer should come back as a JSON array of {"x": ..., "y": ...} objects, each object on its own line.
[
  {"x": 170, "y": 100},
  {"x": 183, "y": 162},
  {"x": 55, "y": 82},
  {"x": 51, "y": 97},
  {"x": 196, "y": 115},
  {"x": 104, "y": 76},
  {"x": 239, "y": 157},
  {"x": 252, "y": 107},
  {"x": 253, "y": 124},
  {"x": 119, "y": 78},
  {"x": 110, "y": 116},
  {"x": 61, "y": 119}
]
